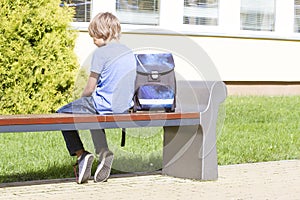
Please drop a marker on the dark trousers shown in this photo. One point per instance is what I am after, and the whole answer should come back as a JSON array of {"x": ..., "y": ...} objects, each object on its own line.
[{"x": 84, "y": 105}]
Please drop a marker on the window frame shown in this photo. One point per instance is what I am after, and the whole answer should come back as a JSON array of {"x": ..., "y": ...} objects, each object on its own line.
[
  {"x": 257, "y": 14},
  {"x": 86, "y": 4},
  {"x": 228, "y": 22},
  {"x": 143, "y": 16},
  {"x": 296, "y": 17}
]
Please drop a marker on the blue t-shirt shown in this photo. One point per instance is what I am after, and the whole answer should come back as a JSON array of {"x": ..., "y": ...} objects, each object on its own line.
[{"x": 116, "y": 65}]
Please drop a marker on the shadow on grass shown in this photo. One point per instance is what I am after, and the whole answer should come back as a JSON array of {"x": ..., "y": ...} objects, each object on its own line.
[
  {"x": 62, "y": 173},
  {"x": 65, "y": 173}
]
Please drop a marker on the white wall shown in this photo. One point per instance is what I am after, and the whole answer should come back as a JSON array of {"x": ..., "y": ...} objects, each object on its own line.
[
  {"x": 235, "y": 59},
  {"x": 253, "y": 60}
]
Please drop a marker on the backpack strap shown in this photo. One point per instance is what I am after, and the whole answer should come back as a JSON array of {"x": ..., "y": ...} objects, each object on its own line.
[{"x": 123, "y": 137}]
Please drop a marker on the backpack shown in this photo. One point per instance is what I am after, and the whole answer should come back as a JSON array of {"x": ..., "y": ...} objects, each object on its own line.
[{"x": 155, "y": 84}]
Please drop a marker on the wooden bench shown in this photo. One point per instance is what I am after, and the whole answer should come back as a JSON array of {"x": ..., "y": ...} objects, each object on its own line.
[{"x": 189, "y": 133}]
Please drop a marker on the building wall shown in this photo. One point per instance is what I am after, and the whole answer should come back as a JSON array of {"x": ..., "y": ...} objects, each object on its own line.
[{"x": 235, "y": 59}]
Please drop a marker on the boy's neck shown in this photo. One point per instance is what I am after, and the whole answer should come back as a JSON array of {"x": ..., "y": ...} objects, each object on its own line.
[{"x": 112, "y": 41}]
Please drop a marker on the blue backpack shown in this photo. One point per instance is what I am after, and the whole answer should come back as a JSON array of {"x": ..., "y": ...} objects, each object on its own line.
[{"x": 155, "y": 85}]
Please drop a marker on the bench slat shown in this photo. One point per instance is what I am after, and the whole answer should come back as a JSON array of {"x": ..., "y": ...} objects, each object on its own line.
[{"x": 61, "y": 118}]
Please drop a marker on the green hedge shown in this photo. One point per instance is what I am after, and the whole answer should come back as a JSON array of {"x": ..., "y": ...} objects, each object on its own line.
[{"x": 37, "y": 62}]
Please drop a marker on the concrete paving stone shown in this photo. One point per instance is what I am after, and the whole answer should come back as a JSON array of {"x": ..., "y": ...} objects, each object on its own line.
[{"x": 266, "y": 180}]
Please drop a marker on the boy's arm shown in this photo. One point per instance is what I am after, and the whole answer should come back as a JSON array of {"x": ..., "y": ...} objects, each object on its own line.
[{"x": 91, "y": 85}]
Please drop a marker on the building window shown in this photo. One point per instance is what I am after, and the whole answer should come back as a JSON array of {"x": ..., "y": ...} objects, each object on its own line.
[
  {"x": 257, "y": 15},
  {"x": 200, "y": 12},
  {"x": 140, "y": 12},
  {"x": 297, "y": 16},
  {"x": 82, "y": 9}
]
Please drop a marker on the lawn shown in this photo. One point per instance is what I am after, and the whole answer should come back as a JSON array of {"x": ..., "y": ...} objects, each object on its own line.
[{"x": 251, "y": 129}]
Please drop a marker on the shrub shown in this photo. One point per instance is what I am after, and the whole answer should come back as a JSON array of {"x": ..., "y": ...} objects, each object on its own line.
[{"x": 37, "y": 61}]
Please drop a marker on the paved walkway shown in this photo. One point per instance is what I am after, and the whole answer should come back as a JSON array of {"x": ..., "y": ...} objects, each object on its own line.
[{"x": 268, "y": 180}]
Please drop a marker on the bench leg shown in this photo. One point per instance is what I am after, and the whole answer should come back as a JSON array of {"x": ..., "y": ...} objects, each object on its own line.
[
  {"x": 99, "y": 140},
  {"x": 183, "y": 154}
]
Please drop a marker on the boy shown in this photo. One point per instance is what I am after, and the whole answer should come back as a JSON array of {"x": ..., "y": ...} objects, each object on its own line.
[{"x": 109, "y": 89}]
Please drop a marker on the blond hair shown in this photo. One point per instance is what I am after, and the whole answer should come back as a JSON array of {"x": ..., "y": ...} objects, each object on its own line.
[{"x": 105, "y": 26}]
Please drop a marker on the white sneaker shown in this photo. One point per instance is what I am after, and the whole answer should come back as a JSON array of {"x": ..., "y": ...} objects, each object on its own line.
[
  {"x": 103, "y": 170},
  {"x": 85, "y": 164}
]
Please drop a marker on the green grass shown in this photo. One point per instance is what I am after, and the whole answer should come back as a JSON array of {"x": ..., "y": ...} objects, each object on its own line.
[
  {"x": 255, "y": 129},
  {"x": 260, "y": 129}
]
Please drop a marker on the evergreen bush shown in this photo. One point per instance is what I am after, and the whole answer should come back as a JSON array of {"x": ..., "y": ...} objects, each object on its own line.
[{"x": 37, "y": 61}]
